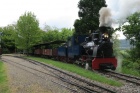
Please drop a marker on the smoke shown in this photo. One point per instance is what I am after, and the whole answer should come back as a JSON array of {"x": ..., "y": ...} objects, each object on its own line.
[
  {"x": 117, "y": 11},
  {"x": 105, "y": 17},
  {"x": 121, "y": 9}
]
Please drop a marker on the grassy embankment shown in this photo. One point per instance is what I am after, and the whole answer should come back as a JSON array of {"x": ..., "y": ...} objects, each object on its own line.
[
  {"x": 129, "y": 71},
  {"x": 79, "y": 71},
  {"x": 3, "y": 79},
  {"x": 129, "y": 66}
]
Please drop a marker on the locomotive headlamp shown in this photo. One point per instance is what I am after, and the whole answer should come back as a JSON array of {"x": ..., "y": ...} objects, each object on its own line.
[{"x": 105, "y": 35}]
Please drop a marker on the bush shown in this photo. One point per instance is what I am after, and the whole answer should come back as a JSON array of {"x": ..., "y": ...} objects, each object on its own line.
[
  {"x": 131, "y": 63},
  {"x": 5, "y": 51}
]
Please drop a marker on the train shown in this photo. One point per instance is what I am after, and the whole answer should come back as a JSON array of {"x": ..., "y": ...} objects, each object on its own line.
[{"x": 93, "y": 51}]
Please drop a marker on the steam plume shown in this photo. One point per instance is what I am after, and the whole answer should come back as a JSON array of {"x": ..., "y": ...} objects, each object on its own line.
[
  {"x": 121, "y": 9},
  {"x": 105, "y": 17}
]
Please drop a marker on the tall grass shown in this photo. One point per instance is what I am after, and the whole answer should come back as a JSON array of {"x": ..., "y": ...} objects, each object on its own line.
[
  {"x": 3, "y": 79},
  {"x": 130, "y": 71},
  {"x": 130, "y": 65},
  {"x": 80, "y": 71}
]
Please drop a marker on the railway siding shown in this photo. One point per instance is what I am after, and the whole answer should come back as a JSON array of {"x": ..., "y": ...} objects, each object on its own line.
[
  {"x": 60, "y": 84},
  {"x": 128, "y": 87},
  {"x": 25, "y": 80},
  {"x": 128, "y": 78},
  {"x": 79, "y": 86},
  {"x": 79, "y": 71},
  {"x": 131, "y": 83},
  {"x": 71, "y": 77}
]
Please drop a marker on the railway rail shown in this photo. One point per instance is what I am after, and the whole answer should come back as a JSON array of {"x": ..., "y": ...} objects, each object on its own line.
[
  {"x": 7, "y": 61},
  {"x": 13, "y": 63},
  {"x": 128, "y": 78},
  {"x": 84, "y": 85}
]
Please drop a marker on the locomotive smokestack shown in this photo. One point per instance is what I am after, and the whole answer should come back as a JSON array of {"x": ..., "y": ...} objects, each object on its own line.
[
  {"x": 104, "y": 29},
  {"x": 105, "y": 17}
]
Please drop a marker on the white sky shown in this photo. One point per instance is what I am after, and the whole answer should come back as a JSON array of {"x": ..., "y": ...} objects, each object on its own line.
[
  {"x": 58, "y": 13},
  {"x": 55, "y": 13}
]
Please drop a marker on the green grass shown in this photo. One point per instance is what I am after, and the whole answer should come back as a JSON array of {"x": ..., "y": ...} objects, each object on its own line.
[
  {"x": 80, "y": 71},
  {"x": 130, "y": 72},
  {"x": 3, "y": 79}
]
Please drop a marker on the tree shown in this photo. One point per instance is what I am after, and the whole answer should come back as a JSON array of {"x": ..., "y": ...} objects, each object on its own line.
[
  {"x": 8, "y": 38},
  {"x": 47, "y": 28},
  {"x": 53, "y": 34},
  {"x": 89, "y": 15},
  {"x": 28, "y": 32},
  {"x": 65, "y": 33},
  {"x": 131, "y": 30}
]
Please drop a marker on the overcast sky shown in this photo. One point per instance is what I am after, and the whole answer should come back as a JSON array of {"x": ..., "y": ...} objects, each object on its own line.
[
  {"x": 55, "y": 13},
  {"x": 58, "y": 13}
]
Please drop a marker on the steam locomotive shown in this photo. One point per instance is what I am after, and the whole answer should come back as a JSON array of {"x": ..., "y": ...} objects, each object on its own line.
[
  {"x": 99, "y": 50},
  {"x": 94, "y": 51}
]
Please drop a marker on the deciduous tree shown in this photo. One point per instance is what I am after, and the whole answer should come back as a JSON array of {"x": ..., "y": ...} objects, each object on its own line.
[
  {"x": 131, "y": 30},
  {"x": 89, "y": 15},
  {"x": 7, "y": 35},
  {"x": 28, "y": 31}
]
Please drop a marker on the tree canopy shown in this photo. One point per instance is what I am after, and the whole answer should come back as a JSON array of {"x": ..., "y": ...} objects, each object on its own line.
[
  {"x": 89, "y": 16},
  {"x": 131, "y": 30},
  {"x": 53, "y": 34},
  {"x": 7, "y": 38},
  {"x": 28, "y": 31}
]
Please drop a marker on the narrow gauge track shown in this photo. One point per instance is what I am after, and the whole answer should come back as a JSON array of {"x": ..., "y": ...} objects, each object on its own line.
[
  {"x": 60, "y": 78},
  {"x": 84, "y": 88},
  {"x": 11, "y": 63},
  {"x": 128, "y": 78},
  {"x": 90, "y": 87}
]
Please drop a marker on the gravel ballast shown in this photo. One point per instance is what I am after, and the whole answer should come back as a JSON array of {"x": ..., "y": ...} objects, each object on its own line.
[{"x": 25, "y": 80}]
